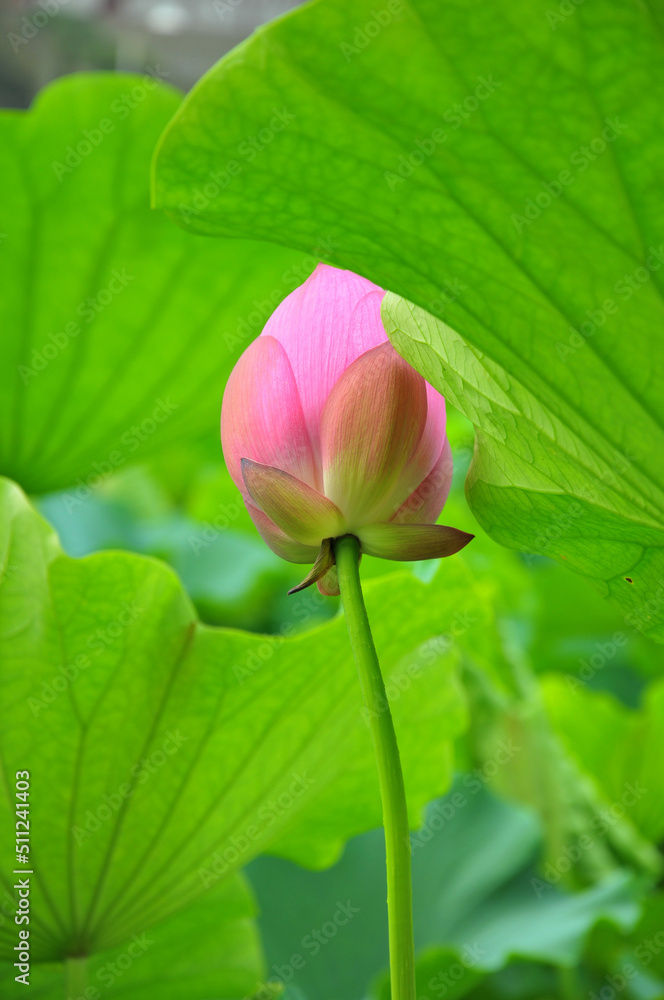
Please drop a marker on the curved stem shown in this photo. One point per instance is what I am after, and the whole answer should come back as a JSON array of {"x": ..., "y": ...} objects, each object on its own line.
[{"x": 395, "y": 815}]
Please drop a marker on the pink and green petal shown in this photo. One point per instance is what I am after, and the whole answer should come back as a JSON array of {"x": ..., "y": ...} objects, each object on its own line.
[
  {"x": 370, "y": 428},
  {"x": 261, "y": 415},
  {"x": 328, "y": 585},
  {"x": 297, "y": 508},
  {"x": 406, "y": 542},
  {"x": 324, "y": 563},
  {"x": 428, "y": 450},
  {"x": 281, "y": 544},
  {"x": 323, "y": 326},
  {"x": 425, "y": 455},
  {"x": 425, "y": 503}
]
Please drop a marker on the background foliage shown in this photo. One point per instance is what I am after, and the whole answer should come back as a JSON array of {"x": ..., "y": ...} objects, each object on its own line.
[{"x": 182, "y": 718}]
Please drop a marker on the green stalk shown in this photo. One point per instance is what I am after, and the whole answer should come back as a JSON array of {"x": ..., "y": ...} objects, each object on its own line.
[
  {"x": 390, "y": 777},
  {"x": 76, "y": 981}
]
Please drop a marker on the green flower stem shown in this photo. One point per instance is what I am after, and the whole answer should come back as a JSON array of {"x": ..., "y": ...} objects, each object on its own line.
[
  {"x": 395, "y": 814},
  {"x": 76, "y": 981}
]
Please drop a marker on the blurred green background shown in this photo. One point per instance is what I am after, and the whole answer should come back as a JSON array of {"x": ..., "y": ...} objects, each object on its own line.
[{"x": 507, "y": 902}]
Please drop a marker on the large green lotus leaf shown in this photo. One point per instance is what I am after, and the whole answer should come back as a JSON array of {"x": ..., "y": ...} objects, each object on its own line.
[
  {"x": 118, "y": 330},
  {"x": 211, "y": 949},
  {"x": 165, "y": 754},
  {"x": 542, "y": 483},
  {"x": 498, "y": 166},
  {"x": 618, "y": 749}
]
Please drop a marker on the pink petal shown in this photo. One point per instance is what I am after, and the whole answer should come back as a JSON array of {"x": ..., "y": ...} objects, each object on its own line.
[
  {"x": 424, "y": 457},
  {"x": 431, "y": 443},
  {"x": 412, "y": 541},
  {"x": 280, "y": 543},
  {"x": 324, "y": 325},
  {"x": 426, "y": 502},
  {"x": 370, "y": 428},
  {"x": 261, "y": 415},
  {"x": 324, "y": 563},
  {"x": 299, "y": 510}
]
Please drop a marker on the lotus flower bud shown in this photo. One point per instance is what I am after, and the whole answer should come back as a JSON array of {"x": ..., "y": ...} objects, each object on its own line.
[{"x": 327, "y": 431}]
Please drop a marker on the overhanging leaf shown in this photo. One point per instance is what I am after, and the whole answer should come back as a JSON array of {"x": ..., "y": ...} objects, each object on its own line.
[
  {"x": 497, "y": 166},
  {"x": 118, "y": 331},
  {"x": 164, "y": 754},
  {"x": 211, "y": 949},
  {"x": 539, "y": 482}
]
